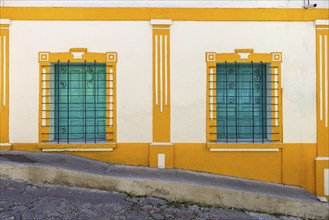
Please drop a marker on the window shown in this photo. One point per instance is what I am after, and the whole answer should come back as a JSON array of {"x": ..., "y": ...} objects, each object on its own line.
[
  {"x": 79, "y": 102},
  {"x": 77, "y": 97},
  {"x": 244, "y": 102}
]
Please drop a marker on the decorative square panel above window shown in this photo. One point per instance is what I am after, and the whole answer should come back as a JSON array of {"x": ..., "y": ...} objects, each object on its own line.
[
  {"x": 244, "y": 97},
  {"x": 77, "y": 97}
]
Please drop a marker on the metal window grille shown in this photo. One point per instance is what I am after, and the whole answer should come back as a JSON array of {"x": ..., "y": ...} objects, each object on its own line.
[
  {"x": 245, "y": 99},
  {"x": 77, "y": 102}
]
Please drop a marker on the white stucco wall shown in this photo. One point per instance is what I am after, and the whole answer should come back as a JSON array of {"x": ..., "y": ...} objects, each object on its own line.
[
  {"x": 134, "y": 71},
  {"x": 190, "y": 41}
]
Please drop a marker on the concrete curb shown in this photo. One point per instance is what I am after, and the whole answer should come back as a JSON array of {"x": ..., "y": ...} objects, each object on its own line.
[{"x": 170, "y": 190}]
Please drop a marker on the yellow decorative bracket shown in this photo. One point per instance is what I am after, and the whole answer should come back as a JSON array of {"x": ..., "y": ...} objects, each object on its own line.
[
  {"x": 78, "y": 53},
  {"x": 74, "y": 50},
  {"x": 244, "y": 50}
]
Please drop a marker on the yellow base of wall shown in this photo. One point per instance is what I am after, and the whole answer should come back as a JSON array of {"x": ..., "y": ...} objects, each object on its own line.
[
  {"x": 321, "y": 166},
  {"x": 292, "y": 164},
  {"x": 5, "y": 147},
  {"x": 162, "y": 156}
]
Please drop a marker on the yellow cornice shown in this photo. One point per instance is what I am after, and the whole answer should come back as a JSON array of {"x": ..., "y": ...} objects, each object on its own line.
[{"x": 177, "y": 14}]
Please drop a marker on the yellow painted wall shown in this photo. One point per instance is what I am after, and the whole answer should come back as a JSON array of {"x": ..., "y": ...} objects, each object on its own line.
[
  {"x": 298, "y": 165},
  {"x": 321, "y": 165},
  {"x": 252, "y": 165},
  {"x": 293, "y": 165},
  {"x": 124, "y": 153},
  {"x": 168, "y": 151},
  {"x": 4, "y": 83},
  {"x": 26, "y": 147}
]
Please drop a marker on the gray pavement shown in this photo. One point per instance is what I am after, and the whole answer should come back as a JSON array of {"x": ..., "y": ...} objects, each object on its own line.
[
  {"x": 170, "y": 184},
  {"x": 23, "y": 200},
  {"x": 70, "y": 162}
]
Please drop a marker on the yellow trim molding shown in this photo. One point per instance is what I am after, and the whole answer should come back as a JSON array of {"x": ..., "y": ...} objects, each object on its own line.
[
  {"x": 248, "y": 149},
  {"x": 243, "y": 145},
  {"x": 80, "y": 146},
  {"x": 176, "y": 14},
  {"x": 322, "y": 81},
  {"x": 75, "y": 149},
  {"x": 322, "y": 158},
  {"x": 77, "y": 55},
  {"x": 243, "y": 56},
  {"x": 5, "y": 146},
  {"x": 322, "y": 104},
  {"x": 4, "y": 80},
  {"x": 161, "y": 80}
]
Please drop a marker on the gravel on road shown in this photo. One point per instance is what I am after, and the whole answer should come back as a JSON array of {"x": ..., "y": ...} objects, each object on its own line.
[{"x": 26, "y": 201}]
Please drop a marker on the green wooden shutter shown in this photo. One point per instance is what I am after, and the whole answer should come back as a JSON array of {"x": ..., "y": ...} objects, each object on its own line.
[
  {"x": 242, "y": 102},
  {"x": 80, "y": 102}
]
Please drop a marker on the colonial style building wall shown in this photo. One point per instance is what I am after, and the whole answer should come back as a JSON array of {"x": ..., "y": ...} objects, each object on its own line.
[{"x": 162, "y": 69}]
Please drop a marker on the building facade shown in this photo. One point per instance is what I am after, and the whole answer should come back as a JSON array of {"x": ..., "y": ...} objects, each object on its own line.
[{"x": 239, "y": 89}]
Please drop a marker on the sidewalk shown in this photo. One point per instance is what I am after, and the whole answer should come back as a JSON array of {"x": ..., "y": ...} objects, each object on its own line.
[
  {"x": 21, "y": 200},
  {"x": 173, "y": 185}
]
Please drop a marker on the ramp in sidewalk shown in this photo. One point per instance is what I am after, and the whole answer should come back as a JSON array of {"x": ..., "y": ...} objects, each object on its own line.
[{"x": 170, "y": 184}]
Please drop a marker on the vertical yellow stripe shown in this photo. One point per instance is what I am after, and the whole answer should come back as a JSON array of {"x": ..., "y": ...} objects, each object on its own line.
[
  {"x": 4, "y": 105},
  {"x": 4, "y": 71},
  {"x": 1, "y": 74},
  {"x": 327, "y": 92},
  {"x": 320, "y": 73},
  {"x": 326, "y": 78}
]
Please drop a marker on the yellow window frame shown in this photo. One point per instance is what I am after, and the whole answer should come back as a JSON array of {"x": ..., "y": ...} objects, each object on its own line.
[
  {"x": 76, "y": 55},
  {"x": 242, "y": 56}
]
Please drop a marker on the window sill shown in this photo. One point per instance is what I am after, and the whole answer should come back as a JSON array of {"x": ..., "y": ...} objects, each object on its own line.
[
  {"x": 78, "y": 147},
  {"x": 243, "y": 147}
]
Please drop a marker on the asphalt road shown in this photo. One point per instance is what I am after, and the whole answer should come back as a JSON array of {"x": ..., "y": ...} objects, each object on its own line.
[{"x": 23, "y": 200}]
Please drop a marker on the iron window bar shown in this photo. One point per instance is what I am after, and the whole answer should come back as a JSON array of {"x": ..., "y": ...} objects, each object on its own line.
[
  {"x": 233, "y": 87},
  {"x": 66, "y": 89}
]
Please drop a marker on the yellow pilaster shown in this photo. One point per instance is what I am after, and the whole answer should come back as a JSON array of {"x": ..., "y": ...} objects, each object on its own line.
[
  {"x": 161, "y": 150},
  {"x": 161, "y": 80},
  {"x": 322, "y": 86},
  {"x": 4, "y": 83}
]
